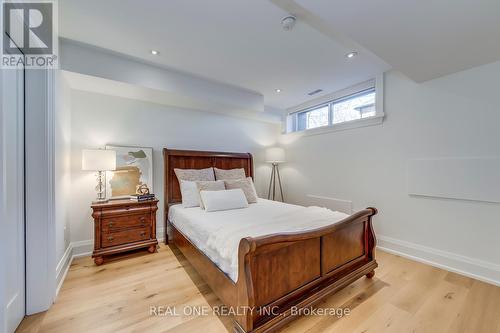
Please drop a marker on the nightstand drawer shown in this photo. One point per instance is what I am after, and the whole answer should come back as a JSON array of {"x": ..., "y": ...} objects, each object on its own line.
[
  {"x": 119, "y": 223},
  {"x": 126, "y": 236}
]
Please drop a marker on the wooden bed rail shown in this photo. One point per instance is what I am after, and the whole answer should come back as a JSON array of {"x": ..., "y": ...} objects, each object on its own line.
[{"x": 282, "y": 271}]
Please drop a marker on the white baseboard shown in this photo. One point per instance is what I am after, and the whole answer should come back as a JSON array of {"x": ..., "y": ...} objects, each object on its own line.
[
  {"x": 63, "y": 267},
  {"x": 82, "y": 248},
  {"x": 475, "y": 268},
  {"x": 74, "y": 250},
  {"x": 160, "y": 235}
]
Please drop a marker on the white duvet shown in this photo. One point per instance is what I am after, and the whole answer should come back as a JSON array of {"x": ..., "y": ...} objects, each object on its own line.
[{"x": 218, "y": 234}]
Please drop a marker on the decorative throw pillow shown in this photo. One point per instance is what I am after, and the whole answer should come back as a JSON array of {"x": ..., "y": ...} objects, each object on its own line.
[
  {"x": 195, "y": 174},
  {"x": 190, "y": 194},
  {"x": 246, "y": 185},
  {"x": 223, "y": 174},
  {"x": 217, "y": 185},
  {"x": 223, "y": 200}
]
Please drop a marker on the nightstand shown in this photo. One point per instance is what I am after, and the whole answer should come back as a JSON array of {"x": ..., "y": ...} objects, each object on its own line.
[{"x": 123, "y": 225}]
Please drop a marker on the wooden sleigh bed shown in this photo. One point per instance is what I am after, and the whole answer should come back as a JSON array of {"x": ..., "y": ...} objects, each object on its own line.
[{"x": 276, "y": 273}]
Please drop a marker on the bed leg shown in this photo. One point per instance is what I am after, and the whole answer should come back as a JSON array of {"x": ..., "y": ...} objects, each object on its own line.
[{"x": 371, "y": 274}]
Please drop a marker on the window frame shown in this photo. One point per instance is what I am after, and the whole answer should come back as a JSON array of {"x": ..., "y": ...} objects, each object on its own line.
[{"x": 376, "y": 84}]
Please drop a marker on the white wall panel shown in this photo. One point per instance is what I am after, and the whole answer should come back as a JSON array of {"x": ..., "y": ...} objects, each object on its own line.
[{"x": 456, "y": 178}]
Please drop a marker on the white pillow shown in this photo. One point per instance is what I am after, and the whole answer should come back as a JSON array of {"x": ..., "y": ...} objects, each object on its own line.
[
  {"x": 224, "y": 174},
  {"x": 189, "y": 193},
  {"x": 216, "y": 185},
  {"x": 195, "y": 174},
  {"x": 246, "y": 185},
  {"x": 223, "y": 200}
]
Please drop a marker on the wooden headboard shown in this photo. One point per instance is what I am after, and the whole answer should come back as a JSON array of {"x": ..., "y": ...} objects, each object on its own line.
[{"x": 191, "y": 159}]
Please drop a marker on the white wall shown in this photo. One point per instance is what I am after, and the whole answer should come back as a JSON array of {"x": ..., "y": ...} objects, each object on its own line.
[
  {"x": 97, "y": 120},
  {"x": 62, "y": 166},
  {"x": 454, "y": 116}
]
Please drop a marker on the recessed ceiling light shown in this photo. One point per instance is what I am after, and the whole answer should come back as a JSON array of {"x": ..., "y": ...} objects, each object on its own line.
[
  {"x": 351, "y": 55},
  {"x": 154, "y": 52},
  {"x": 278, "y": 90}
]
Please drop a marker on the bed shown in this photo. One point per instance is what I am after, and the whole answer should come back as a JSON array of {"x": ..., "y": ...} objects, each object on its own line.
[{"x": 264, "y": 275}]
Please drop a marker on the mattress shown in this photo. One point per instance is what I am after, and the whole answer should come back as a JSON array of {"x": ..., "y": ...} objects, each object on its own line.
[{"x": 218, "y": 234}]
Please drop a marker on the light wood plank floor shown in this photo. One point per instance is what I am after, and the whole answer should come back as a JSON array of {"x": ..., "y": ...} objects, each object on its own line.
[{"x": 404, "y": 296}]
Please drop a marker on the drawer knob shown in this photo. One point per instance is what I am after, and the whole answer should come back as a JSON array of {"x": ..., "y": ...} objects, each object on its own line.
[
  {"x": 110, "y": 239},
  {"x": 143, "y": 233},
  {"x": 110, "y": 224},
  {"x": 142, "y": 219}
]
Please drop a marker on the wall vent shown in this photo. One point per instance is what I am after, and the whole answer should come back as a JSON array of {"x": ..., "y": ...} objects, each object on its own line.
[{"x": 317, "y": 91}]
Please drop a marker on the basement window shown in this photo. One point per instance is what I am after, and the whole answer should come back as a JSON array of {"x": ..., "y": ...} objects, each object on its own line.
[
  {"x": 356, "y": 106},
  {"x": 313, "y": 118}
]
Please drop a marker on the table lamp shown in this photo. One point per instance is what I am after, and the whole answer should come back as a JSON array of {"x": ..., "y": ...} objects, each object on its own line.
[
  {"x": 99, "y": 160},
  {"x": 275, "y": 155}
]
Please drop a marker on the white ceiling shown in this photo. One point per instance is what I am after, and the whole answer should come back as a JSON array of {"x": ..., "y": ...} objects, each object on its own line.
[
  {"x": 238, "y": 42},
  {"x": 422, "y": 39},
  {"x": 241, "y": 42}
]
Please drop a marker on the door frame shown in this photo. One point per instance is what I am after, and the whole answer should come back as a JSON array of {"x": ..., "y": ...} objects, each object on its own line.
[{"x": 40, "y": 199}]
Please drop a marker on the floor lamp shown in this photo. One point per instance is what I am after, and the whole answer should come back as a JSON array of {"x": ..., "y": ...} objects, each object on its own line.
[{"x": 275, "y": 156}]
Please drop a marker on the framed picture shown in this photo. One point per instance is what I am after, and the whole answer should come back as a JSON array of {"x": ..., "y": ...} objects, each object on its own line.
[{"x": 134, "y": 167}]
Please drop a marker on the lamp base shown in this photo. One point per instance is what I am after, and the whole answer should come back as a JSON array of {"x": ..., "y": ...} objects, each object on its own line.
[
  {"x": 275, "y": 173},
  {"x": 100, "y": 188}
]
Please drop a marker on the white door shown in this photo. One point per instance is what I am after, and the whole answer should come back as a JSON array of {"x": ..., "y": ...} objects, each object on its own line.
[{"x": 12, "y": 224}]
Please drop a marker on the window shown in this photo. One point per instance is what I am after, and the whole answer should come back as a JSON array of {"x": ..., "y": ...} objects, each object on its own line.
[
  {"x": 313, "y": 118},
  {"x": 357, "y": 106},
  {"x": 352, "y": 104}
]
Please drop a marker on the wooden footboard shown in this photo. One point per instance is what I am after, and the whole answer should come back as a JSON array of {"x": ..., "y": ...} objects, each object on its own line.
[{"x": 279, "y": 272}]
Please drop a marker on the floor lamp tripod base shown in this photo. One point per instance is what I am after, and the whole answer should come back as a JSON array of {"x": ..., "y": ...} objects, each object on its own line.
[{"x": 275, "y": 173}]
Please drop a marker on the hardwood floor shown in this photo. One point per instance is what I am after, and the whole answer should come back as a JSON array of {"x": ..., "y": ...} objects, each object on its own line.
[{"x": 404, "y": 296}]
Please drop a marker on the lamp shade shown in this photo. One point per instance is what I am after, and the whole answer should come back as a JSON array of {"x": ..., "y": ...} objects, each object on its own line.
[
  {"x": 98, "y": 160},
  {"x": 275, "y": 155}
]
